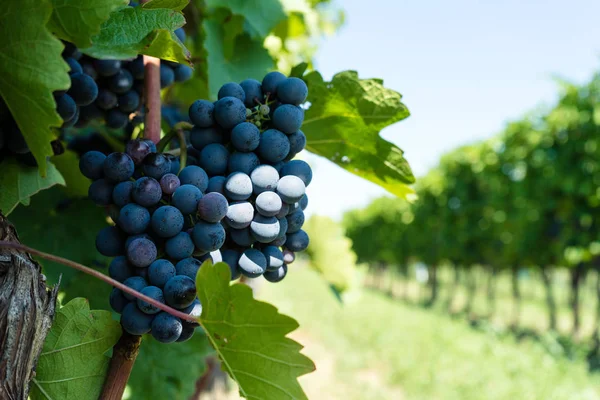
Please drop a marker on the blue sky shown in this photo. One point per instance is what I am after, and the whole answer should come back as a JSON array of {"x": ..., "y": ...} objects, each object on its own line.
[{"x": 465, "y": 68}]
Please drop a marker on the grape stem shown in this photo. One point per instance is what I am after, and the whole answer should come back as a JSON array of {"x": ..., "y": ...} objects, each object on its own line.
[
  {"x": 99, "y": 275},
  {"x": 177, "y": 130}
]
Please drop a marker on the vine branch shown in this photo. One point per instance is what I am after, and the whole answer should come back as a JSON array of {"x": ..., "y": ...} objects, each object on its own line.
[{"x": 152, "y": 92}]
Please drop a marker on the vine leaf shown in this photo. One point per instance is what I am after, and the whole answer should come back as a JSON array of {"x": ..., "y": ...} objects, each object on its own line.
[
  {"x": 249, "y": 58},
  {"x": 19, "y": 182},
  {"x": 176, "y": 5},
  {"x": 73, "y": 363},
  {"x": 140, "y": 30},
  {"x": 343, "y": 122},
  {"x": 261, "y": 16},
  {"x": 249, "y": 337},
  {"x": 31, "y": 69},
  {"x": 68, "y": 165},
  {"x": 78, "y": 21},
  {"x": 158, "y": 372}
]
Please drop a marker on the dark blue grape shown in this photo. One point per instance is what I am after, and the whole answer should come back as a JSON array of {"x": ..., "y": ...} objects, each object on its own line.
[
  {"x": 268, "y": 204},
  {"x": 136, "y": 67},
  {"x": 118, "y": 167},
  {"x": 216, "y": 184},
  {"x": 239, "y": 215},
  {"x": 201, "y": 113},
  {"x": 213, "y": 207},
  {"x": 167, "y": 76},
  {"x": 229, "y": 111},
  {"x": 294, "y": 207},
  {"x": 180, "y": 33},
  {"x": 72, "y": 122},
  {"x": 185, "y": 198},
  {"x": 298, "y": 168},
  {"x": 245, "y": 137},
  {"x": 288, "y": 118},
  {"x": 70, "y": 50},
  {"x": 303, "y": 202},
  {"x": 291, "y": 189},
  {"x": 166, "y": 328},
  {"x": 107, "y": 67},
  {"x": 180, "y": 291},
  {"x": 274, "y": 257},
  {"x": 122, "y": 193},
  {"x": 137, "y": 283},
  {"x": 242, "y": 162},
  {"x": 146, "y": 191},
  {"x": 202, "y": 137},
  {"x": 264, "y": 229},
  {"x": 183, "y": 73},
  {"x": 151, "y": 144},
  {"x": 160, "y": 271},
  {"x": 252, "y": 92},
  {"x": 143, "y": 272},
  {"x": 141, "y": 252},
  {"x": 121, "y": 82},
  {"x": 214, "y": 158},
  {"x": 295, "y": 221},
  {"x": 264, "y": 178},
  {"x": 297, "y": 142},
  {"x": 292, "y": 91},
  {"x": 100, "y": 192},
  {"x": 83, "y": 89},
  {"x": 208, "y": 237},
  {"x": 87, "y": 68},
  {"x": 231, "y": 258},
  {"x": 276, "y": 275},
  {"x": 169, "y": 183},
  {"x": 106, "y": 99},
  {"x": 285, "y": 210},
  {"x": 288, "y": 256},
  {"x": 119, "y": 269},
  {"x": 194, "y": 310},
  {"x": 89, "y": 113},
  {"x": 187, "y": 331},
  {"x": 279, "y": 241},
  {"x": 117, "y": 300},
  {"x": 116, "y": 119},
  {"x": 167, "y": 221},
  {"x": 232, "y": 89},
  {"x": 156, "y": 165},
  {"x": 193, "y": 175},
  {"x": 154, "y": 293},
  {"x": 297, "y": 241},
  {"x": 133, "y": 237},
  {"x": 213, "y": 256},
  {"x": 274, "y": 146},
  {"x": 74, "y": 66},
  {"x": 66, "y": 107},
  {"x": 175, "y": 164},
  {"x": 129, "y": 102},
  {"x": 252, "y": 263},
  {"x": 271, "y": 81},
  {"x": 238, "y": 186},
  {"x": 179, "y": 246},
  {"x": 283, "y": 226},
  {"x": 91, "y": 164},
  {"x": 134, "y": 321},
  {"x": 133, "y": 219},
  {"x": 188, "y": 267},
  {"x": 242, "y": 237}
]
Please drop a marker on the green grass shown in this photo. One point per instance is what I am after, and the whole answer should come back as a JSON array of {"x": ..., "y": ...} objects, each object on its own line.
[{"x": 373, "y": 347}]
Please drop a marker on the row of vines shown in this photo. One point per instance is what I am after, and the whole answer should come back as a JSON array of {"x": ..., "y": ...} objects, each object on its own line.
[{"x": 524, "y": 200}]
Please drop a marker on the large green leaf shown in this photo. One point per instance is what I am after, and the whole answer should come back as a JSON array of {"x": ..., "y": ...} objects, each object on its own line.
[
  {"x": 249, "y": 58},
  {"x": 140, "y": 30},
  {"x": 19, "y": 182},
  {"x": 73, "y": 362},
  {"x": 261, "y": 16},
  {"x": 168, "y": 371},
  {"x": 176, "y": 5},
  {"x": 68, "y": 165},
  {"x": 343, "y": 124},
  {"x": 250, "y": 337},
  {"x": 61, "y": 226},
  {"x": 31, "y": 68},
  {"x": 76, "y": 21}
]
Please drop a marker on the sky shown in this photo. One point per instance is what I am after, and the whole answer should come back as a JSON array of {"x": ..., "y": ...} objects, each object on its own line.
[{"x": 464, "y": 68}]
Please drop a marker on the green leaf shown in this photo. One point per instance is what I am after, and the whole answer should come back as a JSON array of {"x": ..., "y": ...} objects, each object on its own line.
[
  {"x": 249, "y": 60},
  {"x": 262, "y": 16},
  {"x": 19, "y": 182},
  {"x": 132, "y": 31},
  {"x": 31, "y": 69},
  {"x": 250, "y": 337},
  {"x": 76, "y": 21},
  {"x": 68, "y": 165},
  {"x": 176, "y": 5},
  {"x": 73, "y": 363},
  {"x": 299, "y": 70},
  {"x": 169, "y": 371},
  {"x": 64, "y": 227},
  {"x": 343, "y": 124}
]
